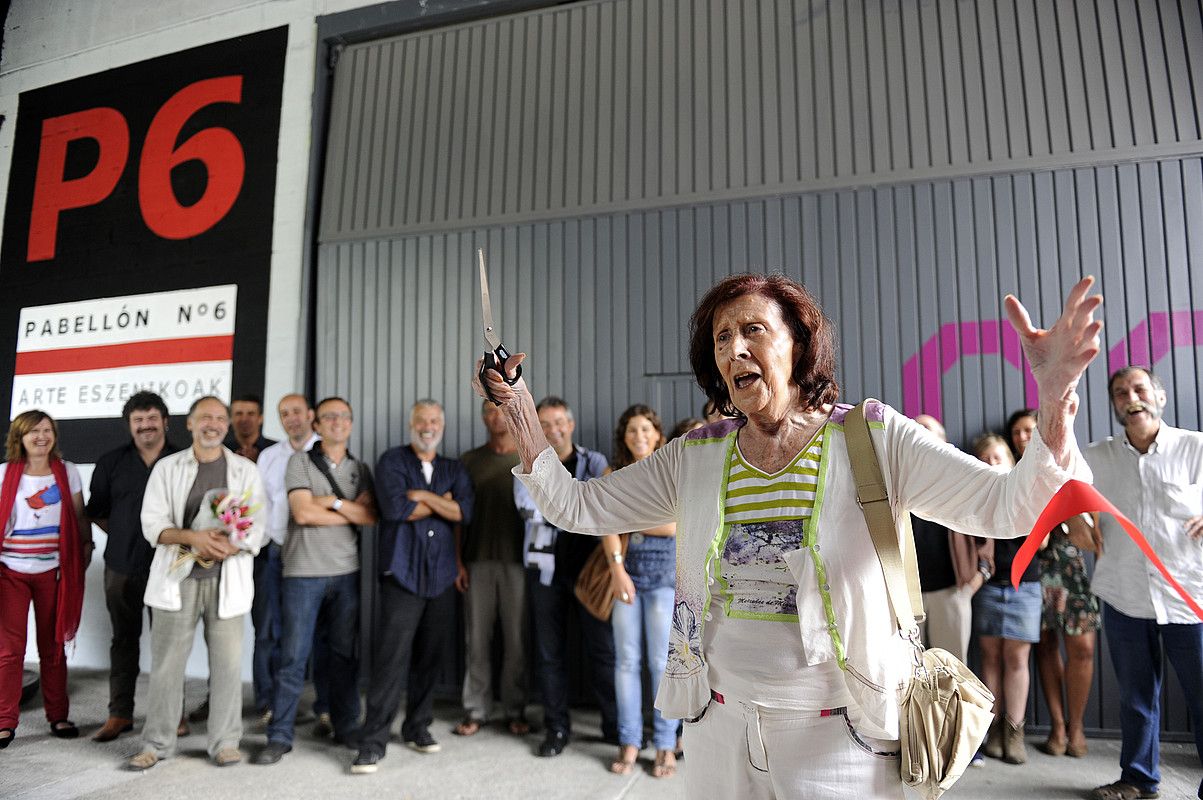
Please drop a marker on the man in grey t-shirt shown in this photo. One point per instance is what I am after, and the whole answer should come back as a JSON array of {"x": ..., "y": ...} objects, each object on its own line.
[{"x": 329, "y": 496}]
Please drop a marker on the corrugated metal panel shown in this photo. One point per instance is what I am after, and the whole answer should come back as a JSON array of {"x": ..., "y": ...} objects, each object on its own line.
[
  {"x": 913, "y": 277},
  {"x": 625, "y": 104}
]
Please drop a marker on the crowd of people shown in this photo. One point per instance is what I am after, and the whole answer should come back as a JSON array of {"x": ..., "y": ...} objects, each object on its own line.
[{"x": 742, "y": 576}]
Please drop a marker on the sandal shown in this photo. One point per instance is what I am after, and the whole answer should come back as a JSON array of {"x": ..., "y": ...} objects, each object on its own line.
[
  {"x": 467, "y": 727},
  {"x": 1121, "y": 791},
  {"x": 64, "y": 729},
  {"x": 517, "y": 726},
  {"x": 623, "y": 765},
  {"x": 666, "y": 764},
  {"x": 6, "y": 737}
]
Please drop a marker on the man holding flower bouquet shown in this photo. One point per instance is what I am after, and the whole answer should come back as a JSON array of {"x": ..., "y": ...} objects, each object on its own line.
[{"x": 202, "y": 514}]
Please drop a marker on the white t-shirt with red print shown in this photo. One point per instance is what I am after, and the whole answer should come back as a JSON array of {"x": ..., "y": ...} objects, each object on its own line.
[{"x": 31, "y": 532}]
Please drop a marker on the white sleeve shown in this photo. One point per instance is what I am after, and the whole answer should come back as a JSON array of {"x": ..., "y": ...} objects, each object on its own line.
[
  {"x": 73, "y": 479},
  {"x": 635, "y": 498},
  {"x": 940, "y": 483}
]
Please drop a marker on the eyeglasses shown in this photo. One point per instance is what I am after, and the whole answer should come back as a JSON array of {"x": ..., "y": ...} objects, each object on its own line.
[{"x": 331, "y": 416}]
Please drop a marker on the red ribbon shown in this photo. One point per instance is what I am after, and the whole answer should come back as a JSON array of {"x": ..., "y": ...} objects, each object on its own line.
[{"x": 1075, "y": 498}]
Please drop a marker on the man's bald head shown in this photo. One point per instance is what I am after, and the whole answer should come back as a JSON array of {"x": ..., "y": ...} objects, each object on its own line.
[{"x": 933, "y": 425}]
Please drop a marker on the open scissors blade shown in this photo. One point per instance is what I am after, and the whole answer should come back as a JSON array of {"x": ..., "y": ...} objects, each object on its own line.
[
  {"x": 486, "y": 306},
  {"x": 496, "y": 356}
]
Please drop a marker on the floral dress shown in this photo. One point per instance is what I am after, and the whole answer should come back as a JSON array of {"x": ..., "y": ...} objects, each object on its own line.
[{"x": 1069, "y": 605}]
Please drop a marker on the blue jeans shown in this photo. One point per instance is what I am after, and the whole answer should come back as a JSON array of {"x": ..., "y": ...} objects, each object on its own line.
[
  {"x": 649, "y": 614},
  {"x": 265, "y": 616},
  {"x": 331, "y": 603},
  {"x": 1135, "y": 646}
]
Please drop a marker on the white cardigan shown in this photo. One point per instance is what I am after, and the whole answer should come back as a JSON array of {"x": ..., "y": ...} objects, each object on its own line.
[
  {"x": 843, "y": 607},
  {"x": 163, "y": 507}
]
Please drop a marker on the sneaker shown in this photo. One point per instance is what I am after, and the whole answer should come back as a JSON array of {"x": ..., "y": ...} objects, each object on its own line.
[
  {"x": 365, "y": 763},
  {"x": 978, "y": 760},
  {"x": 265, "y": 719},
  {"x": 423, "y": 742},
  {"x": 272, "y": 753},
  {"x": 324, "y": 726}
]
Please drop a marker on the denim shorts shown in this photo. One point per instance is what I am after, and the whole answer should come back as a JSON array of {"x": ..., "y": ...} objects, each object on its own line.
[{"x": 1007, "y": 612}]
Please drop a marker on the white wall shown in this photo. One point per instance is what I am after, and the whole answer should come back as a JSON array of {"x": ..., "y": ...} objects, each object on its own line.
[{"x": 50, "y": 41}]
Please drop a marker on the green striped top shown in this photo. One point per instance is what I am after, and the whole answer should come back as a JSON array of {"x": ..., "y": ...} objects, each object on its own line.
[{"x": 754, "y": 496}]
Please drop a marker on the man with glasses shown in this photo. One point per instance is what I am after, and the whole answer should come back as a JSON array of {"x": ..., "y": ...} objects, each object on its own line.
[{"x": 330, "y": 496}]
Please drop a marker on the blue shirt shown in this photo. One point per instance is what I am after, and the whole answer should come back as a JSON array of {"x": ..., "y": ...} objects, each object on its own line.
[{"x": 418, "y": 555}]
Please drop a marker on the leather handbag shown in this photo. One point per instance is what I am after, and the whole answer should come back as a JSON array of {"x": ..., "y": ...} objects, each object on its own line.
[
  {"x": 593, "y": 587},
  {"x": 945, "y": 710}
]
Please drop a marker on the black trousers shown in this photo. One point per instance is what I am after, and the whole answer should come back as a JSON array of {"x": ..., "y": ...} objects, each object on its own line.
[
  {"x": 123, "y": 597},
  {"x": 553, "y": 609},
  {"x": 413, "y": 632}
]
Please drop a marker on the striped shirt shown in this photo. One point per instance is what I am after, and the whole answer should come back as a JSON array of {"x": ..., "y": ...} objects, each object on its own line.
[
  {"x": 754, "y": 496},
  {"x": 765, "y": 519},
  {"x": 31, "y": 533}
]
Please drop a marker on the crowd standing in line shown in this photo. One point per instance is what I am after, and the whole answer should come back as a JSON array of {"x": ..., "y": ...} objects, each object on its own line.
[{"x": 744, "y": 644}]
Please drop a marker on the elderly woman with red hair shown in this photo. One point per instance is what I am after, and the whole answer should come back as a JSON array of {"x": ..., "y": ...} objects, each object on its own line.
[
  {"x": 784, "y": 656},
  {"x": 45, "y": 549}
]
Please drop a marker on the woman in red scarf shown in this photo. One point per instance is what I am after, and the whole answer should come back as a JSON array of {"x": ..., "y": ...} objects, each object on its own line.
[{"x": 43, "y": 554}]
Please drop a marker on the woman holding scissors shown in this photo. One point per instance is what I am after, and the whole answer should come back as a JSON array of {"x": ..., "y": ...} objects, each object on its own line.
[{"x": 784, "y": 655}]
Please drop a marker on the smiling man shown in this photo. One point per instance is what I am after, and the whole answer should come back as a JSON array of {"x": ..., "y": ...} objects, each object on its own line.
[
  {"x": 198, "y": 574},
  {"x": 114, "y": 506},
  {"x": 423, "y": 499},
  {"x": 1154, "y": 475}
]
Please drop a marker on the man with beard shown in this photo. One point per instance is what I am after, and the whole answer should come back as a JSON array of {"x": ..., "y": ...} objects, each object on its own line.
[
  {"x": 423, "y": 499},
  {"x": 1154, "y": 475},
  {"x": 115, "y": 506},
  {"x": 199, "y": 572}
]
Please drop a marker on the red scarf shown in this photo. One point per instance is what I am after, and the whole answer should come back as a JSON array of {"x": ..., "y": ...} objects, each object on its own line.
[{"x": 70, "y": 596}]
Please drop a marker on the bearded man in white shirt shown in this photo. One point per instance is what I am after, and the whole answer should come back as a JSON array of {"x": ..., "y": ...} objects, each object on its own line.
[{"x": 1154, "y": 475}]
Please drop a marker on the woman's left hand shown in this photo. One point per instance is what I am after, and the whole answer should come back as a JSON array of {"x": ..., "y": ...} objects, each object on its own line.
[
  {"x": 1058, "y": 356},
  {"x": 622, "y": 585}
]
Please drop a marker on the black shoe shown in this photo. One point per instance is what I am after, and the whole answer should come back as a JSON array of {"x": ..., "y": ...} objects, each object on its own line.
[
  {"x": 553, "y": 744},
  {"x": 423, "y": 742},
  {"x": 364, "y": 763},
  {"x": 200, "y": 713},
  {"x": 272, "y": 753}
]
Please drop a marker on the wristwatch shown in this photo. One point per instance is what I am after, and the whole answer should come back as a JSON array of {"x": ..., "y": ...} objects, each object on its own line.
[
  {"x": 616, "y": 557},
  {"x": 337, "y": 504}
]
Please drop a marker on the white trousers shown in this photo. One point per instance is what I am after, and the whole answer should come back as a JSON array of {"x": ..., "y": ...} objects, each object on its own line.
[{"x": 740, "y": 750}]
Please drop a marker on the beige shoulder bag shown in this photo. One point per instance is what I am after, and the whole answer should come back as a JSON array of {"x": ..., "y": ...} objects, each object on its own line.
[{"x": 945, "y": 710}]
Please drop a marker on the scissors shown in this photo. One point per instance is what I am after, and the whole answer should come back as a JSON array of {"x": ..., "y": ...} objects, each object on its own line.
[{"x": 494, "y": 360}]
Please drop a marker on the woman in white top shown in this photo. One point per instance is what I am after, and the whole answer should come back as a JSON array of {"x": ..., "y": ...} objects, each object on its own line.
[
  {"x": 43, "y": 555},
  {"x": 784, "y": 656}
]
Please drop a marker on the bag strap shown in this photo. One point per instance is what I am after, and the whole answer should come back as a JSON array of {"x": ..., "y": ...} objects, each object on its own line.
[
  {"x": 318, "y": 458},
  {"x": 901, "y": 570}
]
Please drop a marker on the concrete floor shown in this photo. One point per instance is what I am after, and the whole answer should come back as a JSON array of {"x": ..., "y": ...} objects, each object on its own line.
[{"x": 491, "y": 764}]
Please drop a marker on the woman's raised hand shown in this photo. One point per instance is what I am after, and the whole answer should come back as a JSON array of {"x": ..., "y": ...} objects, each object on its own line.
[
  {"x": 1059, "y": 355},
  {"x": 502, "y": 391}
]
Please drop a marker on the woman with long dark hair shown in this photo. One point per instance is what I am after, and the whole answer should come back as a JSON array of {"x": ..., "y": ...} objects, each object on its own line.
[
  {"x": 643, "y": 583},
  {"x": 46, "y": 548}
]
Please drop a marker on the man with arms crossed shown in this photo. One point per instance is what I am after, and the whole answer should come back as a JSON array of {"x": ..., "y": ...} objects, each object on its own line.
[
  {"x": 330, "y": 495},
  {"x": 423, "y": 499}
]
